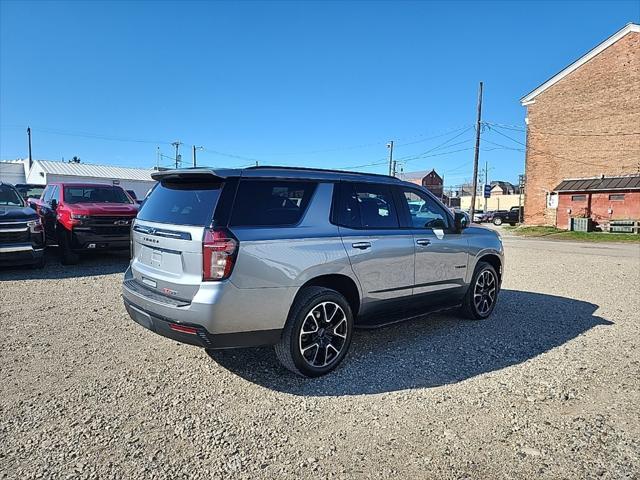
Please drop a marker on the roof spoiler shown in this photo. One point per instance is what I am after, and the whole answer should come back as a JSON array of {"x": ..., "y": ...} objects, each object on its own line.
[{"x": 187, "y": 173}]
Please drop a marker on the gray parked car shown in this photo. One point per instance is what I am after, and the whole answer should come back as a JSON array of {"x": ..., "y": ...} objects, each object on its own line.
[{"x": 297, "y": 258}]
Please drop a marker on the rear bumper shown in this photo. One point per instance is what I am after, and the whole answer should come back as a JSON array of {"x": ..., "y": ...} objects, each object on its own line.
[
  {"x": 199, "y": 336},
  {"x": 227, "y": 315},
  {"x": 20, "y": 254}
]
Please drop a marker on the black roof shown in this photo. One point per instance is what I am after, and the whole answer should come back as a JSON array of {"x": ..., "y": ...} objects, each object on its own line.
[{"x": 630, "y": 182}]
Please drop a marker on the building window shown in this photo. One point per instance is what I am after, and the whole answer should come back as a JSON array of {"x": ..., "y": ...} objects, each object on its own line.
[
  {"x": 578, "y": 198},
  {"x": 616, "y": 196}
]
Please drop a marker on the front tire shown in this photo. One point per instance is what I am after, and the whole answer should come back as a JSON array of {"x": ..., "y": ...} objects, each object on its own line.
[
  {"x": 67, "y": 255},
  {"x": 318, "y": 332},
  {"x": 497, "y": 221},
  {"x": 482, "y": 295},
  {"x": 40, "y": 263}
]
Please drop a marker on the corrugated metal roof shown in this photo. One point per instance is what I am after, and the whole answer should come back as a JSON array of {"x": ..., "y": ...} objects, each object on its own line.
[
  {"x": 96, "y": 171},
  {"x": 630, "y": 182}
]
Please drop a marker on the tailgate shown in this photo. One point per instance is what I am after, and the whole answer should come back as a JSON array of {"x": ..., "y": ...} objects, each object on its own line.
[
  {"x": 168, "y": 259},
  {"x": 168, "y": 232}
]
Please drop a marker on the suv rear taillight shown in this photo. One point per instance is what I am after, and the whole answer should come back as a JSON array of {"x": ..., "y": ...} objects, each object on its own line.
[{"x": 219, "y": 251}]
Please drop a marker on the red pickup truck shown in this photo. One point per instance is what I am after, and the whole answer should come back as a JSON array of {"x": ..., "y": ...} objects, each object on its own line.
[{"x": 81, "y": 217}]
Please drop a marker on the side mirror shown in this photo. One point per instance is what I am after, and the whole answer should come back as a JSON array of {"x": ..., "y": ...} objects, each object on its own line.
[
  {"x": 53, "y": 204},
  {"x": 461, "y": 221}
]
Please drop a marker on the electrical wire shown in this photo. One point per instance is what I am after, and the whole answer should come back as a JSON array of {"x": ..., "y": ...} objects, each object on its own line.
[
  {"x": 570, "y": 160},
  {"x": 586, "y": 133}
]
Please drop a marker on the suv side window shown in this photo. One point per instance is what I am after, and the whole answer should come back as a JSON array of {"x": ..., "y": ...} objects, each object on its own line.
[
  {"x": 365, "y": 206},
  {"x": 424, "y": 211},
  {"x": 55, "y": 194},
  {"x": 271, "y": 202}
]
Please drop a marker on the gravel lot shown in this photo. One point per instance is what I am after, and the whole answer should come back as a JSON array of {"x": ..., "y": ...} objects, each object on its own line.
[{"x": 546, "y": 388}]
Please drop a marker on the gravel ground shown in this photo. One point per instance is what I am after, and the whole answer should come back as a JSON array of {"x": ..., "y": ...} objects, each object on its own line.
[{"x": 546, "y": 388}]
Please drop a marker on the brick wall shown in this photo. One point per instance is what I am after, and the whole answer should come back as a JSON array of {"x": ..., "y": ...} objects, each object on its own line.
[
  {"x": 597, "y": 205},
  {"x": 603, "y": 95}
]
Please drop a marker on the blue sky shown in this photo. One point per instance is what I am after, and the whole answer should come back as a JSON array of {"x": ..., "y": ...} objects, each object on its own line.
[{"x": 322, "y": 84}]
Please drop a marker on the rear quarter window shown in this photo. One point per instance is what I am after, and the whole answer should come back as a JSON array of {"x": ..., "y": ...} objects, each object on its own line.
[
  {"x": 181, "y": 203},
  {"x": 271, "y": 202}
]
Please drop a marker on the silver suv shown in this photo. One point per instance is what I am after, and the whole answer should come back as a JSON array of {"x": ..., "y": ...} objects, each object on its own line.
[{"x": 297, "y": 258}]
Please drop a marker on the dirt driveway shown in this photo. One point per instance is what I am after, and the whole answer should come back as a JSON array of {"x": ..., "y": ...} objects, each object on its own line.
[{"x": 549, "y": 387}]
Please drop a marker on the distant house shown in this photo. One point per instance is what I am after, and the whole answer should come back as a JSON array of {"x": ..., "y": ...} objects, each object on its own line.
[
  {"x": 584, "y": 123},
  {"x": 502, "y": 188},
  {"x": 42, "y": 172},
  {"x": 428, "y": 179}
]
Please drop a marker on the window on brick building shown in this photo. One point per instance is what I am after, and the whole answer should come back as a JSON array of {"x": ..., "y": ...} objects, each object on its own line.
[
  {"x": 616, "y": 196},
  {"x": 578, "y": 198}
]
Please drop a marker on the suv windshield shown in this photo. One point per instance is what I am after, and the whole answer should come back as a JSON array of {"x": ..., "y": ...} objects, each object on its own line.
[
  {"x": 106, "y": 194},
  {"x": 9, "y": 197},
  {"x": 181, "y": 203}
]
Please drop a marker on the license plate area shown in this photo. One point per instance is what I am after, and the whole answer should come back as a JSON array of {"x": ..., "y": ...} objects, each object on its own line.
[
  {"x": 161, "y": 260},
  {"x": 156, "y": 258}
]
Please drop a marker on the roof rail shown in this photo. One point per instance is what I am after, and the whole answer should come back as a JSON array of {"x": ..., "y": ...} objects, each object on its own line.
[{"x": 311, "y": 169}]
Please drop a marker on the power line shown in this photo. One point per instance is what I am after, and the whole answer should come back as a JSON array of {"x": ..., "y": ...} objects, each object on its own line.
[
  {"x": 365, "y": 145},
  {"x": 585, "y": 133},
  {"x": 409, "y": 158},
  {"x": 231, "y": 155},
  {"x": 385, "y": 161},
  {"x": 570, "y": 160},
  {"x": 95, "y": 136}
]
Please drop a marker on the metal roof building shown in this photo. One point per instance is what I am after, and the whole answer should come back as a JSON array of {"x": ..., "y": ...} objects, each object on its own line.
[
  {"x": 600, "y": 184},
  {"x": 42, "y": 172}
]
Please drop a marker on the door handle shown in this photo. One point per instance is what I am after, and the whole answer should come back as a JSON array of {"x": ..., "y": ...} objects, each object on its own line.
[
  {"x": 361, "y": 245},
  {"x": 424, "y": 242}
]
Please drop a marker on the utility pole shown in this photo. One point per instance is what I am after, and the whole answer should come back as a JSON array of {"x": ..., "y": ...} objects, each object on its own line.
[
  {"x": 177, "y": 144},
  {"x": 194, "y": 155},
  {"x": 521, "y": 186},
  {"x": 30, "y": 157},
  {"x": 477, "y": 154},
  {"x": 391, "y": 166},
  {"x": 486, "y": 182}
]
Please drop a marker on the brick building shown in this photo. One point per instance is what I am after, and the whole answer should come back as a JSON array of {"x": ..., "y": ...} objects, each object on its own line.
[
  {"x": 601, "y": 199},
  {"x": 584, "y": 123},
  {"x": 429, "y": 179}
]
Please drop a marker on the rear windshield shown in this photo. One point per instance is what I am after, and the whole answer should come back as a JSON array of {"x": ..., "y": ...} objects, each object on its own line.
[
  {"x": 271, "y": 202},
  {"x": 181, "y": 203},
  {"x": 9, "y": 197},
  {"x": 82, "y": 194}
]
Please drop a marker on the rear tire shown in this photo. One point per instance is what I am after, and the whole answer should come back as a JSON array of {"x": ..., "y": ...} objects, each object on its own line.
[
  {"x": 317, "y": 334},
  {"x": 497, "y": 221},
  {"x": 482, "y": 295},
  {"x": 67, "y": 255}
]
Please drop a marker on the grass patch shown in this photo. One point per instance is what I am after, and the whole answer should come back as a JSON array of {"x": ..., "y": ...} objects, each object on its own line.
[{"x": 557, "y": 234}]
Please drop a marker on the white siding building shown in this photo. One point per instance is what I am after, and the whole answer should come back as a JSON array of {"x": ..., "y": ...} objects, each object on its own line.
[
  {"x": 12, "y": 171},
  {"x": 43, "y": 172}
]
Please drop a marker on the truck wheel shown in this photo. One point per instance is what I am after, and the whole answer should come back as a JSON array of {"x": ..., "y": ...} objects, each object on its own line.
[
  {"x": 317, "y": 334},
  {"x": 40, "y": 263},
  {"x": 67, "y": 255},
  {"x": 497, "y": 221},
  {"x": 482, "y": 295}
]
